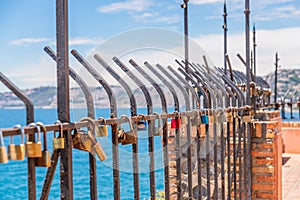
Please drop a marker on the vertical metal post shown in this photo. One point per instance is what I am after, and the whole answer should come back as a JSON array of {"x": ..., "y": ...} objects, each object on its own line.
[
  {"x": 225, "y": 36},
  {"x": 248, "y": 72},
  {"x": 63, "y": 107},
  {"x": 247, "y": 32},
  {"x": 276, "y": 68},
  {"x": 254, "y": 52},
  {"x": 186, "y": 33}
]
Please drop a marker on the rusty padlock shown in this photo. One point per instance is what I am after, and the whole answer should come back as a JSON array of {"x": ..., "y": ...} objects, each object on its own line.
[
  {"x": 33, "y": 149},
  {"x": 127, "y": 137},
  {"x": 3, "y": 153},
  {"x": 102, "y": 128},
  {"x": 82, "y": 140},
  {"x": 86, "y": 141},
  {"x": 59, "y": 142},
  {"x": 92, "y": 129},
  {"x": 45, "y": 159},
  {"x": 17, "y": 152}
]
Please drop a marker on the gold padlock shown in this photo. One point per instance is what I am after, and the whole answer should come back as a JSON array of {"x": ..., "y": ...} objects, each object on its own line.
[
  {"x": 3, "y": 153},
  {"x": 183, "y": 120},
  {"x": 102, "y": 128},
  {"x": 17, "y": 152},
  {"x": 128, "y": 137},
  {"x": 195, "y": 122},
  {"x": 59, "y": 142},
  {"x": 45, "y": 160},
  {"x": 33, "y": 149},
  {"x": 99, "y": 151}
]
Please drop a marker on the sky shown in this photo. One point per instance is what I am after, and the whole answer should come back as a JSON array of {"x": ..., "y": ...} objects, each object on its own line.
[{"x": 27, "y": 26}]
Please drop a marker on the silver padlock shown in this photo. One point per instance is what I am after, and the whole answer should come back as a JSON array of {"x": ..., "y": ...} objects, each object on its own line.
[{"x": 159, "y": 128}]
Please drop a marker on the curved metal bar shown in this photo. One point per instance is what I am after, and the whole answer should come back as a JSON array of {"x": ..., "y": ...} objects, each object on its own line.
[
  {"x": 133, "y": 106},
  {"x": 150, "y": 126},
  {"x": 238, "y": 92},
  {"x": 204, "y": 79},
  {"x": 152, "y": 82},
  {"x": 21, "y": 95},
  {"x": 197, "y": 86},
  {"x": 203, "y": 92},
  {"x": 188, "y": 141},
  {"x": 169, "y": 86},
  {"x": 185, "y": 94},
  {"x": 133, "y": 109},
  {"x": 138, "y": 82},
  {"x": 211, "y": 92},
  {"x": 29, "y": 119},
  {"x": 214, "y": 78},
  {"x": 91, "y": 113},
  {"x": 186, "y": 84},
  {"x": 113, "y": 114},
  {"x": 85, "y": 89},
  {"x": 101, "y": 80}
]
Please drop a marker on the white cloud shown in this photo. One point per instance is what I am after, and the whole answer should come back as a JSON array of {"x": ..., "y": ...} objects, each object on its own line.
[
  {"x": 205, "y": 1},
  {"x": 28, "y": 41},
  {"x": 157, "y": 18},
  {"x": 283, "y": 41},
  {"x": 130, "y": 5},
  {"x": 72, "y": 41},
  {"x": 84, "y": 41}
]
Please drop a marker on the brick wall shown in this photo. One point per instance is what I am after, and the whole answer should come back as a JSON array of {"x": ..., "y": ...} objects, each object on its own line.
[{"x": 266, "y": 144}]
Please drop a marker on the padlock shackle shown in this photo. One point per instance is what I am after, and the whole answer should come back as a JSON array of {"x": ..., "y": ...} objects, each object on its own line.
[
  {"x": 38, "y": 131},
  {"x": 102, "y": 120},
  {"x": 159, "y": 119},
  {"x": 44, "y": 130},
  {"x": 91, "y": 123},
  {"x": 61, "y": 130},
  {"x": 128, "y": 119},
  {"x": 1, "y": 139},
  {"x": 18, "y": 126}
]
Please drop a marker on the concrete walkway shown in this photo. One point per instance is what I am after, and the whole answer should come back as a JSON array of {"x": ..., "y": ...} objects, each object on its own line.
[{"x": 291, "y": 176}]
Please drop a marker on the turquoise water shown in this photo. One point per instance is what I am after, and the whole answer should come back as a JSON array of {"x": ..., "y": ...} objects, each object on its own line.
[{"x": 13, "y": 181}]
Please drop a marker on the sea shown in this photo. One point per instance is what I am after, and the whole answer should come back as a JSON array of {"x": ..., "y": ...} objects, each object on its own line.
[{"x": 13, "y": 175}]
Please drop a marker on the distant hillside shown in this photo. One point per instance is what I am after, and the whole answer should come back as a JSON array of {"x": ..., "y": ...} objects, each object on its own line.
[
  {"x": 286, "y": 79},
  {"x": 45, "y": 97}
]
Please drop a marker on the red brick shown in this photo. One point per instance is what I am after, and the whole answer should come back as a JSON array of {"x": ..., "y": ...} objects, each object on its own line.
[
  {"x": 268, "y": 179},
  {"x": 264, "y": 161},
  {"x": 264, "y": 195},
  {"x": 263, "y": 170},
  {"x": 263, "y": 187},
  {"x": 265, "y": 146},
  {"x": 258, "y": 132},
  {"x": 262, "y": 154}
]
